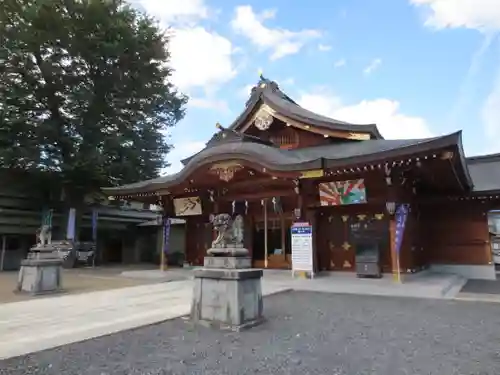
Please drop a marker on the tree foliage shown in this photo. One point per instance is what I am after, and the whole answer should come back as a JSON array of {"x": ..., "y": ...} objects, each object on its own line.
[{"x": 84, "y": 92}]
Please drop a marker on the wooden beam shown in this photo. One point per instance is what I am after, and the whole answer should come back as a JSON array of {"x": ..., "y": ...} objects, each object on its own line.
[
  {"x": 324, "y": 132},
  {"x": 256, "y": 196},
  {"x": 249, "y": 182}
]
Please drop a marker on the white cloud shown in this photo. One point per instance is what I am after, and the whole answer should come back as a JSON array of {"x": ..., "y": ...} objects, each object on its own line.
[
  {"x": 287, "y": 82},
  {"x": 482, "y": 15},
  {"x": 245, "y": 91},
  {"x": 469, "y": 82},
  {"x": 324, "y": 47},
  {"x": 209, "y": 103},
  {"x": 374, "y": 64},
  {"x": 175, "y": 11},
  {"x": 281, "y": 42},
  {"x": 491, "y": 112},
  {"x": 201, "y": 58},
  {"x": 384, "y": 112},
  {"x": 322, "y": 103},
  {"x": 339, "y": 63},
  {"x": 182, "y": 150}
]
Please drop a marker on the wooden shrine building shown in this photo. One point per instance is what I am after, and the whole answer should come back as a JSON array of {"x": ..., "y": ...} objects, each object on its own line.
[{"x": 278, "y": 163}]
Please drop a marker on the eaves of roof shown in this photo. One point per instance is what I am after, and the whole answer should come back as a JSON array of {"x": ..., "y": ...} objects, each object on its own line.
[{"x": 275, "y": 159}]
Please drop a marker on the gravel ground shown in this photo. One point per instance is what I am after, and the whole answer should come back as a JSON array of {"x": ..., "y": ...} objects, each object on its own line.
[
  {"x": 481, "y": 287},
  {"x": 306, "y": 333}
]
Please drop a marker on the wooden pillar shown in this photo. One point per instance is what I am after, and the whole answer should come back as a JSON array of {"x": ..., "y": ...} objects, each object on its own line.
[
  {"x": 215, "y": 212},
  {"x": 163, "y": 258},
  {"x": 265, "y": 233},
  {"x": 4, "y": 248},
  {"x": 283, "y": 236},
  {"x": 311, "y": 218},
  {"x": 248, "y": 236},
  {"x": 300, "y": 206}
]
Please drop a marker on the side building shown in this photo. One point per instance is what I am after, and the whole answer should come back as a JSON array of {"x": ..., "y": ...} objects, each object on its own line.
[
  {"x": 279, "y": 163},
  {"x": 128, "y": 232}
]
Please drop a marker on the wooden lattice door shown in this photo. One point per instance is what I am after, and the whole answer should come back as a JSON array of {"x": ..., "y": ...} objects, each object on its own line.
[
  {"x": 335, "y": 253},
  {"x": 338, "y": 235}
]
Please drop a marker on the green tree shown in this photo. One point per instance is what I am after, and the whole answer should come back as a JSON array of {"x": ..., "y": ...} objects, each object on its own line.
[{"x": 85, "y": 93}]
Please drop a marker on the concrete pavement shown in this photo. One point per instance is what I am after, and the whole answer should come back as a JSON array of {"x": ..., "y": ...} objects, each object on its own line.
[
  {"x": 39, "y": 324},
  {"x": 30, "y": 326}
]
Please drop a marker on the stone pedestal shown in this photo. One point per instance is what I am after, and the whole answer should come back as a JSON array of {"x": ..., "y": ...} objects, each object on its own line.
[
  {"x": 233, "y": 251},
  {"x": 227, "y": 294},
  {"x": 227, "y": 262},
  {"x": 40, "y": 273}
]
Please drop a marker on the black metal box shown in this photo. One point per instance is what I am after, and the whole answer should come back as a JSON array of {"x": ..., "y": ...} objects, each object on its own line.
[{"x": 368, "y": 260}]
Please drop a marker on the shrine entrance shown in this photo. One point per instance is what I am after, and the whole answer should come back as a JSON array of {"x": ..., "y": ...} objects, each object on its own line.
[
  {"x": 276, "y": 243},
  {"x": 340, "y": 230}
]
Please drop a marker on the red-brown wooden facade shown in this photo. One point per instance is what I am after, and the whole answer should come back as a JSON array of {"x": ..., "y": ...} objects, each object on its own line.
[{"x": 447, "y": 223}]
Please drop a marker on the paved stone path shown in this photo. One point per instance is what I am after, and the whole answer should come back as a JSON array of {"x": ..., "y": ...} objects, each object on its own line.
[
  {"x": 79, "y": 280},
  {"x": 305, "y": 333},
  {"x": 39, "y": 324},
  {"x": 34, "y": 325}
]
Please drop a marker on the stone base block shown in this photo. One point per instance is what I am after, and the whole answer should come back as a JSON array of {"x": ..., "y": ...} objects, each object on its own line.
[
  {"x": 228, "y": 262},
  {"x": 40, "y": 276},
  {"x": 236, "y": 251},
  {"x": 227, "y": 299}
]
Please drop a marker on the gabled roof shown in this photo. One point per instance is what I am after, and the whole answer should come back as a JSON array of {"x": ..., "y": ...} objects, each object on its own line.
[
  {"x": 268, "y": 92},
  {"x": 485, "y": 172},
  {"x": 276, "y": 159}
]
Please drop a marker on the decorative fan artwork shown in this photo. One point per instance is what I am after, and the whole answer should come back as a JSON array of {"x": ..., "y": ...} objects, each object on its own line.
[
  {"x": 188, "y": 206},
  {"x": 337, "y": 193}
]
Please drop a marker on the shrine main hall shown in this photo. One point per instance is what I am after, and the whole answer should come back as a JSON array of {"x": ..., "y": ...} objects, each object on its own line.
[{"x": 278, "y": 164}]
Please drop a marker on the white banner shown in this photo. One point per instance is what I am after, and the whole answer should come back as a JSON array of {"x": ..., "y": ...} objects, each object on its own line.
[
  {"x": 70, "y": 231},
  {"x": 302, "y": 249}
]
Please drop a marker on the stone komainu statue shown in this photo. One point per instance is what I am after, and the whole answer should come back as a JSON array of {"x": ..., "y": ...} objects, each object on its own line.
[
  {"x": 44, "y": 235},
  {"x": 229, "y": 231}
]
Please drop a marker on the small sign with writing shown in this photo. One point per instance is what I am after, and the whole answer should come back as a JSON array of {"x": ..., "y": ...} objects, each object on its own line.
[
  {"x": 315, "y": 173},
  {"x": 302, "y": 249}
]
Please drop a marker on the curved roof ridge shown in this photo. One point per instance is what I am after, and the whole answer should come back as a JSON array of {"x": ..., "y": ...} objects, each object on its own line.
[
  {"x": 268, "y": 92},
  {"x": 328, "y": 156},
  {"x": 483, "y": 158}
]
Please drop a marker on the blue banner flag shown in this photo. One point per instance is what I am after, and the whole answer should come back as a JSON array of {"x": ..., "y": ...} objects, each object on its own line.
[
  {"x": 401, "y": 216},
  {"x": 95, "y": 218},
  {"x": 166, "y": 233}
]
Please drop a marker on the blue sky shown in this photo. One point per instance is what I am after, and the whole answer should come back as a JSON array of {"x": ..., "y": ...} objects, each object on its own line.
[{"x": 417, "y": 68}]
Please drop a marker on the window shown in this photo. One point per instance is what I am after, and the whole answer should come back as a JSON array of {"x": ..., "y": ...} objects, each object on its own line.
[{"x": 288, "y": 139}]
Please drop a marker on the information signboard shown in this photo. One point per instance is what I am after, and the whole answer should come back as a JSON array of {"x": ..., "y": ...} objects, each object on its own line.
[{"x": 302, "y": 249}]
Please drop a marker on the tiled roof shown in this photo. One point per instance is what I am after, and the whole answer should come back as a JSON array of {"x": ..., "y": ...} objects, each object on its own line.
[
  {"x": 325, "y": 156},
  {"x": 485, "y": 172}
]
